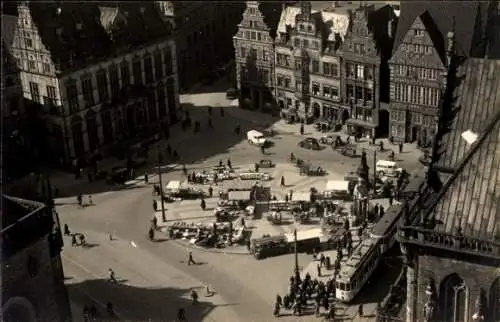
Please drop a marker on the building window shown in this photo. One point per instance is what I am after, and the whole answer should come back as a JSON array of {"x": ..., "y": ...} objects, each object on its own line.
[
  {"x": 259, "y": 37},
  {"x": 102, "y": 85},
  {"x": 265, "y": 56},
  {"x": 315, "y": 44},
  {"x": 125, "y": 74},
  {"x": 72, "y": 97},
  {"x": 360, "y": 72},
  {"x": 148, "y": 70},
  {"x": 31, "y": 64},
  {"x": 28, "y": 42},
  {"x": 350, "y": 70},
  {"x": 35, "y": 92},
  {"x": 114, "y": 80},
  {"x": 335, "y": 70},
  {"x": 296, "y": 42},
  {"x": 369, "y": 73},
  {"x": 305, "y": 43},
  {"x": 88, "y": 92},
  {"x": 253, "y": 35},
  {"x": 137, "y": 72},
  {"x": 315, "y": 66},
  {"x": 298, "y": 86},
  {"x": 298, "y": 64},
  {"x": 243, "y": 51},
  {"x": 301, "y": 27},
  {"x": 327, "y": 69},
  {"x": 279, "y": 80},
  {"x": 358, "y": 92},
  {"x": 368, "y": 95},
  {"x": 168, "y": 60},
  {"x": 243, "y": 72},
  {"x": 158, "y": 66},
  {"x": 350, "y": 91},
  {"x": 288, "y": 82},
  {"x": 46, "y": 68},
  {"x": 315, "y": 89},
  {"x": 247, "y": 34},
  {"x": 419, "y": 32},
  {"x": 327, "y": 91},
  {"x": 52, "y": 94},
  {"x": 265, "y": 76},
  {"x": 288, "y": 102}
]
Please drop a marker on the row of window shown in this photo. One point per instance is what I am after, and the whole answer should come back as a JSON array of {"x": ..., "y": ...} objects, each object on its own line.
[
  {"x": 306, "y": 43},
  {"x": 259, "y": 54},
  {"x": 416, "y": 48},
  {"x": 119, "y": 77},
  {"x": 428, "y": 96},
  {"x": 415, "y": 72},
  {"x": 359, "y": 71},
  {"x": 317, "y": 67},
  {"x": 416, "y": 118},
  {"x": 359, "y": 93},
  {"x": 262, "y": 75},
  {"x": 253, "y": 35}
]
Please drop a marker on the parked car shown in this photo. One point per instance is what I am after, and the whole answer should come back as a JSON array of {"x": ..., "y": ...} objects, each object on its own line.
[
  {"x": 328, "y": 139},
  {"x": 266, "y": 164},
  {"x": 323, "y": 126},
  {"x": 188, "y": 193},
  {"x": 310, "y": 144},
  {"x": 118, "y": 175}
]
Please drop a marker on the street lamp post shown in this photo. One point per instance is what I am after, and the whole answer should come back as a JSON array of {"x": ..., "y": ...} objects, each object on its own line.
[
  {"x": 297, "y": 272},
  {"x": 163, "y": 216}
]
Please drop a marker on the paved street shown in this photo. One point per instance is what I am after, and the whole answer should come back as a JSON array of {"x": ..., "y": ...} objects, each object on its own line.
[{"x": 156, "y": 273}]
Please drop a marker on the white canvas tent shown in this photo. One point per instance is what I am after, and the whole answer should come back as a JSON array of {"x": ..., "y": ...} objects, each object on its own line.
[
  {"x": 305, "y": 234},
  {"x": 173, "y": 185}
]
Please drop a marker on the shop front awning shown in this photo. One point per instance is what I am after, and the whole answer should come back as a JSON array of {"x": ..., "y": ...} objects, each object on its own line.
[
  {"x": 238, "y": 195},
  {"x": 361, "y": 123},
  {"x": 301, "y": 196}
]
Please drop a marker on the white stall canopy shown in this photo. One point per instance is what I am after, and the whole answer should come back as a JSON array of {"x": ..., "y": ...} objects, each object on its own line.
[{"x": 337, "y": 185}]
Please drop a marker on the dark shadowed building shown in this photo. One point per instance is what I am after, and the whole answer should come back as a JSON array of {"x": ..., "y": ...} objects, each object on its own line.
[{"x": 32, "y": 275}]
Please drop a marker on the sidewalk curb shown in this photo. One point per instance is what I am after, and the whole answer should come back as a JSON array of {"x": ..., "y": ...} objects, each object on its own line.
[{"x": 187, "y": 245}]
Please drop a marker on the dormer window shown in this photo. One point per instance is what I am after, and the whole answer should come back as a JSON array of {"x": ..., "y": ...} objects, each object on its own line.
[
  {"x": 419, "y": 33},
  {"x": 309, "y": 28}
]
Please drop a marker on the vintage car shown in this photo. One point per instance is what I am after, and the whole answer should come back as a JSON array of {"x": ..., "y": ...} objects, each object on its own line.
[
  {"x": 187, "y": 193},
  {"x": 323, "y": 126},
  {"x": 266, "y": 164},
  {"x": 118, "y": 175},
  {"x": 329, "y": 139},
  {"x": 349, "y": 151},
  {"x": 269, "y": 246},
  {"x": 310, "y": 144}
]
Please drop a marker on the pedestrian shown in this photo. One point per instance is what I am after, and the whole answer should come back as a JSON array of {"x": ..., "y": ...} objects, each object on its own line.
[
  {"x": 151, "y": 234},
  {"x": 208, "y": 292},
  {"x": 360, "y": 310},
  {"x": 256, "y": 167},
  {"x": 381, "y": 211},
  {"x": 210, "y": 110},
  {"x": 194, "y": 297},
  {"x": 229, "y": 165},
  {"x": 79, "y": 200},
  {"x": 391, "y": 199},
  {"x": 302, "y": 129},
  {"x": 190, "y": 259},
  {"x": 376, "y": 210},
  {"x": 66, "y": 230},
  {"x": 381, "y": 146},
  {"x": 210, "y": 125},
  {"x": 400, "y": 147},
  {"x": 222, "y": 111},
  {"x": 263, "y": 149},
  {"x": 110, "y": 309},
  {"x": 210, "y": 191},
  {"x": 154, "y": 221},
  {"x": 93, "y": 312},
  {"x": 322, "y": 259},
  {"x": 74, "y": 243},
  {"x": 276, "y": 310},
  {"x": 282, "y": 184},
  {"x": 203, "y": 204},
  {"x": 146, "y": 179},
  {"x": 318, "y": 267},
  {"x": 91, "y": 203},
  {"x": 82, "y": 240},
  {"x": 181, "y": 315},
  {"x": 110, "y": 235},
  {"x": 155, "y": 205},
  {"x": 112, "y": 277}
]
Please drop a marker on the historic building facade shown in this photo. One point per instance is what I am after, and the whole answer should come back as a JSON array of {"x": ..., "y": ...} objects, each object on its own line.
[
  {"x": 254, "y": 54},
  {"x": 204, "y": 38},
  {"x": 307, "y": 62},
  {"x": 365, "y": 82},
  {"x": 32, "y": 275},
  {"x": 98, "y": 73}
]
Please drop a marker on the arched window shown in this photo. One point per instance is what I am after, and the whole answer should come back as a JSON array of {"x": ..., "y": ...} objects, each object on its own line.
[
  {"x": 453, "y": 297},
  {"x": 495, "y": 300}
]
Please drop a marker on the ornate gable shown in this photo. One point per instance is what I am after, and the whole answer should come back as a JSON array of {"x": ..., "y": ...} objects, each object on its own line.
[
  {"x": 421, "y": 46},
  {"x": 359, "y": 39},
  {"x": 253, "y": 19}
]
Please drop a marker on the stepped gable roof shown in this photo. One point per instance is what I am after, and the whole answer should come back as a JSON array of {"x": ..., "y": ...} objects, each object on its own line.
[
  {"x": 477, "y": 101},
  {"x": 75, "y": 33},
  {"x": 470, "y": 199},
  {"x": 442, "y": 13}
]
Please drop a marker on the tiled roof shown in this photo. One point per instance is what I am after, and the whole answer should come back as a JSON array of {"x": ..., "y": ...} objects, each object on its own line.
[
  {"x": 14, "y": 209},
  {"x": 442, "y": 12},
  {"x": 478, "y": 100},
  {"x": 73, "y": 32},
  {"x": 471, "y": 198}
]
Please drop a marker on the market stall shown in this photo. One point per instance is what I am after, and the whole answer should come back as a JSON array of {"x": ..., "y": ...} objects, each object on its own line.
[
  {"x": 307, "y": 240},
  {"x": 337, "y": 189},
  {"x": 301, "y": 196}
]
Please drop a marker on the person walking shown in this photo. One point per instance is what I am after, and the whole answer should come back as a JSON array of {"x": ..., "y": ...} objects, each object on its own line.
[
  {"x": 74, "y": 243},
  {"x": 66, "y": 230},
  {"x": 194, "y": 297},
  {"x": 282, "y": 183},
  {"x": 190, "y": 259},
  {"x": 91, "y": 203},
  {"x": 112, "y": 277}
]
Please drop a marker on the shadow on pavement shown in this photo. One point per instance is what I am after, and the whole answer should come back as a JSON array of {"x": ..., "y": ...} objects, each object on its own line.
[{"x": 138, "y": 304}]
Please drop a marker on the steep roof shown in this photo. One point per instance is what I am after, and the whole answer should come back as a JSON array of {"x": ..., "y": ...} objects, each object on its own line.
[
  {"x": 74, "y": 32},
  {"x": 271, "y": 12},
  {"x": 478, "y": 100},
  {"x": 443, "y": 13},
  {"x": 13, "y": 209},
  {"x": 470, "y": 200},
  {"x": 9, "y": 23}
]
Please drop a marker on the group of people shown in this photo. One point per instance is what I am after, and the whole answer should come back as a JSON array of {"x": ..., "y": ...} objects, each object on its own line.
[
  {"x": 81, "y": 202},
  {"x": 301, "y": 291},
  {"x": 77, "y": 239}
]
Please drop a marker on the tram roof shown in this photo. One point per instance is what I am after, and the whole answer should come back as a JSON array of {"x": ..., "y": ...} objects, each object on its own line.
[
  {"x": 359, "y": 255},
  {"x": 387, "y": 220}
]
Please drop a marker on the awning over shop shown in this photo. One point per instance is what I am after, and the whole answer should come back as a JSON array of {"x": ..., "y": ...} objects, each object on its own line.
[
  {"x": 239, "y": 195},
  {"x": 337, "y": 185},
  {"x": 301, "y": 196},
  {"x": 361, "y": 123}
]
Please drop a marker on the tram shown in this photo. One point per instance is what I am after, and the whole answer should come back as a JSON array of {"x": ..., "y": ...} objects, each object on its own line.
[{"x": 367, "y": 255}]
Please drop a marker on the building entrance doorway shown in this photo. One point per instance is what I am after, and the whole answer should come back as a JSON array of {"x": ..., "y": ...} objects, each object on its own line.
[
  {"x": 383, "y": 124},
  {"x": 345, "y": 116},
  {"x": 316, "y": 111}
]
